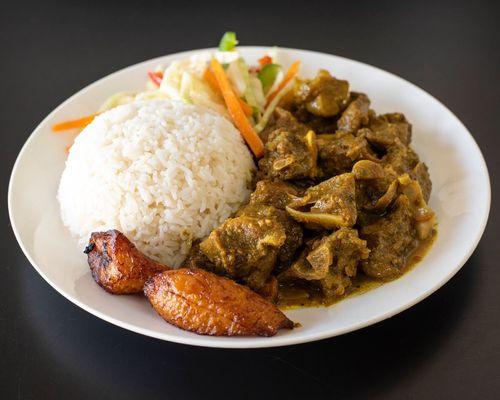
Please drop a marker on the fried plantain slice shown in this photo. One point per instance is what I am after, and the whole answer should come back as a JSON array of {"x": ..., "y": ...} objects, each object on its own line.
[
  {"x": 116, "y": 264},
  {"x": 202, "y": 302}
]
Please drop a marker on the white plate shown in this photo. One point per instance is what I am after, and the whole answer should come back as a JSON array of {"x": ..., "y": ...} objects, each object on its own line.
[{"x": 460, "y": 197}]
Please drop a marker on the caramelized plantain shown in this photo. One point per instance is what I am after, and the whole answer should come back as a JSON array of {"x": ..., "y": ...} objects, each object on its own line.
[
  {"x": 116, "y": 264},
  {"x": 202, "y": 302}
]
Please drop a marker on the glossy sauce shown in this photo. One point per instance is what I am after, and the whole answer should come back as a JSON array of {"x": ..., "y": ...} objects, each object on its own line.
[{"x": 298, "y": 296}]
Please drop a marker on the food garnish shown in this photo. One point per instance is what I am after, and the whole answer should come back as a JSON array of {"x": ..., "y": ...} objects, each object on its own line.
[
  {"x": 228, "y": 41},
  {"x": 272, "y": 106},
  {"x": 79, "y": 123},
  {"x": 156, "y": 77},
  {"x": 257, "y": 89},
  {"x": 265, "y": 60},
  {"x": 290, "y": 74},
  {"x": 211, "y": 80},
  {"x": 268, "y": 74},
  {"x": 214, "y": 85},
  {"x": 233, "y": 105}
]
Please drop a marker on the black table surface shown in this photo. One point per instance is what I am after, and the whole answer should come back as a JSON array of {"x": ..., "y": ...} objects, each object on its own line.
[{"x": 448, "y": 346}]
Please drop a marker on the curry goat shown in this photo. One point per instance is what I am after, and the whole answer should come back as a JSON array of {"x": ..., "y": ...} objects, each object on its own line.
[{"x": 339, "y": 197}]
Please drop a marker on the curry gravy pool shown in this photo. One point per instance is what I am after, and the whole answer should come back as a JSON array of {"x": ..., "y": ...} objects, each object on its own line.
[{"x": 293, "y": 297}]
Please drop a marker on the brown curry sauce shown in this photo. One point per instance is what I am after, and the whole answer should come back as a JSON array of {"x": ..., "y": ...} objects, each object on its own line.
[{"x": 292, "y": 296}]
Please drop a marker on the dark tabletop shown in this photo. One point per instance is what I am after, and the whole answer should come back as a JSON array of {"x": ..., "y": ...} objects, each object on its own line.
[{"x": 446, "y": 347}]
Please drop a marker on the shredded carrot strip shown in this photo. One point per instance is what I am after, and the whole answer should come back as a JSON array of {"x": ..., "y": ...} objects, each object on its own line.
[
  {"x": 236, "y": 112},
  {"x": 156, "y": 77},
  {"x": 290, "y": 74},
  {"x": 265, "y": 60},
  {"x": 73, "y": 124},
  {"x": 245, "y": 107},
  {"x": 210, "y": 78}
]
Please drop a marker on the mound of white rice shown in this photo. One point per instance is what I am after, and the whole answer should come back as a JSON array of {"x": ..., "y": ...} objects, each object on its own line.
[{"x": 162, "y": 172}]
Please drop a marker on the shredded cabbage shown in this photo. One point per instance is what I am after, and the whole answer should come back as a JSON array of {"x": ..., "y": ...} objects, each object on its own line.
[
  {"x": 259, "y": 100},
  {"x": 253, "y": 94},
  {"x": 226, "y": 57},
  {"x": 228, "y": 41},
  {"x": 150, "y": 95},
  {"x": 117, "y": 99},
  {"x": 237, "y": 78},
  {"x": 184, "y": 80},
  {"x": 270, "y": 108}
]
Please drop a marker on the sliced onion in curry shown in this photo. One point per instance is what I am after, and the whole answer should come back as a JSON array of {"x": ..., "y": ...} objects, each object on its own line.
[
  {"x": 367, "y": 170},
  {"x": 386, "y": 200},
  {"x": 327, "y": 221}
]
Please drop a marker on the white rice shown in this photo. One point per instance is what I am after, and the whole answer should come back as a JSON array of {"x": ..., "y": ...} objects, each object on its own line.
[{"x": 162, "y": 172}]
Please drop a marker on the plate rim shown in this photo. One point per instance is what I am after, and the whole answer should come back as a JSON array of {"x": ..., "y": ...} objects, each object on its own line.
[{"x": 223, "y": 342}]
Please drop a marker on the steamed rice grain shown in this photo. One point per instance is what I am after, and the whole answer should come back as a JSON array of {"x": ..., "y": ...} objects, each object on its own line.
[{"x": 163, "y": 172}]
